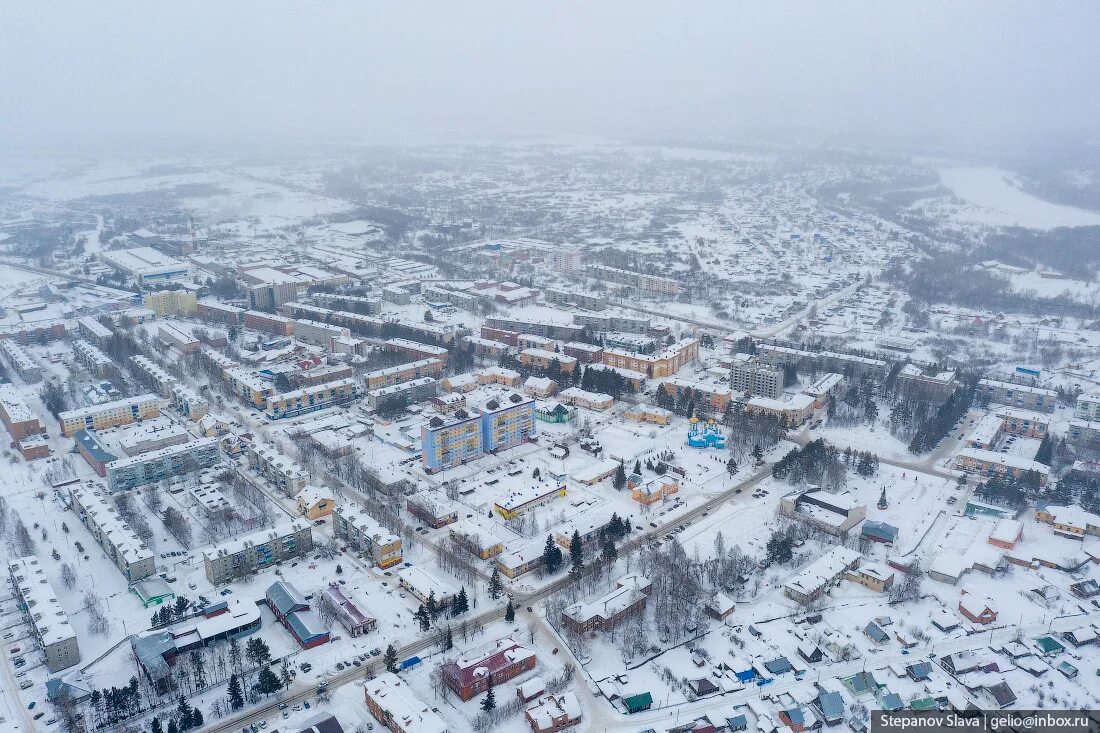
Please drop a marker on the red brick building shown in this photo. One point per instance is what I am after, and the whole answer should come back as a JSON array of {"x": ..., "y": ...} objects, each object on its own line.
[
  {"x": 978, "y": 610},
  {"x": 502, "y": 660}
]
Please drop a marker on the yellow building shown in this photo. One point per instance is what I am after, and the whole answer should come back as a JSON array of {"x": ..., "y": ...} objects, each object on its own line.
[
  {"x": 526, "y": 499},
  {"x": 655, "y": 490},
  {"x": 315, "y": 502},
  {"x": 171, "y": 302},
  {"x": 110, "y": 414},
  {"x": 650, "y": 414}
]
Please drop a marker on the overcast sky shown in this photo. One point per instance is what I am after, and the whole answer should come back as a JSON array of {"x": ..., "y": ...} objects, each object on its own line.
[{"x": 138, "y": 72}]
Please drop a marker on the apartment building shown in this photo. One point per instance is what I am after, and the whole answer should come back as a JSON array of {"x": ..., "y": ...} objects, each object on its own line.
[
  {"x": 498, "y": 424},
  {"x": 121, "y": 545},
  {"x": 278, "y": 468},
  {"x": 826, "y": 387},
  {"x": 392, "y": 703},
  {"x": 188, "y": 402},
  {"x": 793, "y": 411},
  {"x": 821, "y": 574},
  {"x": 562, "y": 296},
  {"x": 915, "y": 381},
  {"x": 171, "y": 302},
  {"x": 182, "y": 340},
  {"x": 48, "y": 621},
  {"x": 577, "y": 397},
  {"x": 756, "y": 379},
  {"x": 583, "y": 352},
  {"x": 517, "y": 562},
  {"x": 38, "y": 332},
  {"x": 834, "y": 514},
  {"x": 500, "y": 375},
  {"x": 268, "y": 323},
  {"x": 705, "y": 394},
  {"x": 249, "y": 386},
  {"x": 150, "y": 436},
  {"x": 415, "y": 349},
  {"x": 153, "y": 376},
  {"x": 994, "y": 463},
  {"x": 18, "y": 418},
  {"x": 542, "y": 359},
  {"x": 614, "y": 322},
  {"x": 110, "y": 414},
  {"x": 364, "y": 534},
  {"x": 92, "y": 358},
  {"x": 20, "y": 361},
  {"x": 213, "y": 310},
  {"x": 247, "y": 555},
  {"x": 1088, "y": 406},
  {"x": 404, "y": 373},
  {"x": 611, "y": 609},
  {"x": 528, "y": 498},
  {"x": 311, "y": 399},
  {"x": 646, "y": 283},
  {"x": 354, "y": 303},
  {"x": 174, "y": 460},
  {"x": 416, "y": 390},
  {"x": 548, "y": 329},
  {"x": 91, "y": 329},
  {"x": 1018, "y": 395},
  {"x": 434, "y": 510},
  {"x": 320, "y": 334},
  {"x": 474, "y": 671},
  {"x": 663, "y": 364},
  {"x": 477, "y": 539}
]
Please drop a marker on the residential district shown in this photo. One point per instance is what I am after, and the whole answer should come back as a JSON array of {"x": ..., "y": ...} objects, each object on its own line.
[{"x": 680, "y": 451}]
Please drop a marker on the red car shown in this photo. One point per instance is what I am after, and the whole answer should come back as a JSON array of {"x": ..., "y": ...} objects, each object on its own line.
[{"x": 15, "y": 650}]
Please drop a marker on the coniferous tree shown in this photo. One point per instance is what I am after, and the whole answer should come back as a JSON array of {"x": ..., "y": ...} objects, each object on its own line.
[
  {"x": 496, "y": 587},
  {"x": 267, "y": 683},
  {"x": 510, "y": 612},
  {"x": 551, "y": 555},
  {"x": 389, "y": 659},
  {"x": 172, "y": 726},
  {"x": 236, "y": 699},
  {"x": 576, "y": 551},
  {"x": 154, "y": 726},
  {"x": 448, "y": 640},
  {"x": 619, "y": 481},
  {"x": 489, "y": 702}
]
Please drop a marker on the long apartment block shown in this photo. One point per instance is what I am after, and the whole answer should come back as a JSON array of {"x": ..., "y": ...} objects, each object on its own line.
[
  {"x": 248, "y": 555},
  {"x": 48, "y": 620},
  {"x": 362, "y": 532},
  {"x": 157, "y": 465},
  {"x": 110, "y": 414},
  {"x": 122, "y": 546}
]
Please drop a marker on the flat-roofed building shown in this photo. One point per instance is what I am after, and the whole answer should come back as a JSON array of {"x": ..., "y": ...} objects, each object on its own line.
[
  {"x": 189, "y": 403},
  {"x": 530, "y": 497},
  {"x": 433, "y": 509},
  {"x": 182, "y": 340},
  {"x": 154, "y": 376},
  {"x": 245, "y": 556},
  {"x": 94, "y": 331},
  {"x": 365, "y": 534},
  {"x": 92, "y": 358},
  {"x": 404, "y": 373},
  {"x": 121, "y": 545},
  {"x": 663, "y": 364},
  {"x": 479, "y": 540},
  {"x": 19, "y": 419},
  {"x": 834, "y": 513},
  {"x": 110, "y": 414},
  {"x": 424, "y": 586},
  {"x": 753, "y": 378},
  {"x": 157, "y": 465},
  {"x": 415, "y": 349},
  {"x": 1018, "y": 395},
  {"x": 171, "y": 302},
  {"x": 516, "y": 562},
  {"x": 146, "y": 264},
  {"x": 995, "y": 463},
  {"x": 249, "y": 386},
  {"x": 577, "y": 397},
  {"x": 20, "y": 361},
  {"x": 277, "y": 467},
  {"x": 311, "y": 399},
  {"x": 793, "y": 411},
  {"x": 55, "y": 636}
]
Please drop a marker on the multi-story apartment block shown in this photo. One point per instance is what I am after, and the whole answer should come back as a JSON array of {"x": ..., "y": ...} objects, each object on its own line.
[
  {"x": 561, "y": 296},
  {"x": 1088, "y": 406},
  {"x": 913, "y": 380},
  {"x": 752, "y": 378},
  {"x": 613, "y": 322},
  {"x": 19, "y": 360},
  {"x": 354, "y": 303},
  {"x": 249, "y": 386},
  {"x": 37, "y": 332},
  {"x": 476, "y": 538},
  {"x": 363, "y": 533},
  {"x": 321, "y": 334},
  {"x": 705, "y": 394},
  {"x": 515, "y": 563},
  {"x": 404, "y": 373},
  {"x": 1026, "y": 423},
  {"x": 498, "y": 424},
  {"x": 416, "y": 390},
  {"x": 110, "y": 414},
  {"x": 994, "y": 463},
  {"x": 311, "y": 399},
  {"x": 180, "y": 339},
  {"x": 663, "y": 364},
  {"x": 91, "y": 357},
  {"x": 276, "y": 467},
  {"x": 189, "y": 403},
  {"x": 435, "y": 510},
  {"x": 1018, "y": 395},
  {"x": 213, "y": 310},
  {"x": 583, "y": 352},
  {"x": 153, "y": 376},
  {"x": 269, "y": 323},
  {"x": 542, "y": 359},
  {"x": 121, "y": 545},
  {"x": 150, "y": 436},
  {"x": 450, "y": 440},
  {"x": 393, "y": 704},
  {"x": 558, "y": 331},
  {"x": 174, "y": 460},
  {"x": 646, "y": 283},
  {"x": 247, "y": 555},
  {"x": 18, "y": 418},
  {"x": 171, "y": 302},
  {"x": 92, "y": 330},
  {"x": 608, "y": 611},
  {"x": 38, "y": 601},
  {"x": 415, "y": 349}
]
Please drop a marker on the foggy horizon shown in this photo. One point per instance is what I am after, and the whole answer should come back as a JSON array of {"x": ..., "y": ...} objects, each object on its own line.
[{"x": 134, "y": 77}]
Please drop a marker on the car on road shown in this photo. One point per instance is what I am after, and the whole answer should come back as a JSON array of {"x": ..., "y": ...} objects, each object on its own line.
[
  {"x": 15, "y": 650},
  {"x": 39, "y": 715},
  {"x": 31, "y": 706}
]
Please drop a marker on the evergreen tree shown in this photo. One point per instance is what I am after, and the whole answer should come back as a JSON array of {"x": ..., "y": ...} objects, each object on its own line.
[
  {"x": 172, "y": 726},
  {"x": 757, "y": 453},
  {"x": 637, "y": 467},
  {"x": 423, "y": 618},
  {"x": 154, "y": 726},
  {"x": 183, "y": 710},
  {"x": 496, "y": 587},
  {"x": 610, "y": 554},
  {"x": 509, "y": 612},
  {"x": 432, "y": 606},
  {"x": 576, "y": 551},
  {"x": 284, "y": 675},
  {"x": 196, "y": 718},
  {"x": 267, "y": 683},
  {"x": 461, "y": 603},
  {"x": 448, "y": 641},
  {"x": 389, "y": 659},
  {"x": 339, "y": 570},
  {"x": 551, "y": 555},
  {"x": 236, "y": 699},
  {"x": 489, "y": 702},
  {"x": 257, "y": 651},
  {"x": 619, "y": 481}
]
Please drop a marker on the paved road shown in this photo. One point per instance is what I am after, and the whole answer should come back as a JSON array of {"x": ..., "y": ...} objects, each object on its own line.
[{"x": 304, "y": 692}]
